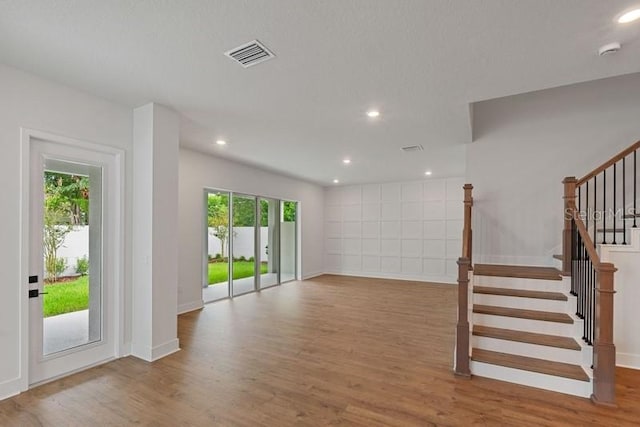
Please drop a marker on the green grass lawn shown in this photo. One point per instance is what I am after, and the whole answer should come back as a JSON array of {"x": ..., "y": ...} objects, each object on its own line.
[
  {"x": 66, "y": 297},
  {"x": 218, "y": 271}
]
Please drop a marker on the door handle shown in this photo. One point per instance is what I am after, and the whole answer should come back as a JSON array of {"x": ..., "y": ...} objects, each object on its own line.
[{"x": 35, "y": 293}]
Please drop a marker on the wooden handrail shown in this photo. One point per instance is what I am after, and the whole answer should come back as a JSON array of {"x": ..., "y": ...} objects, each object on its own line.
[{"x": 606, "y": 165}]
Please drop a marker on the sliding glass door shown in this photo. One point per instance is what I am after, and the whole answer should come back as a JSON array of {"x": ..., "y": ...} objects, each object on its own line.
[
  {"x": 250, "y": 244},
  {"x": 217, "y": 234},
  {"x": 243, "y": 246},
  {"x": 269, "y": 243},
  {"x": 288, "y": 241}
]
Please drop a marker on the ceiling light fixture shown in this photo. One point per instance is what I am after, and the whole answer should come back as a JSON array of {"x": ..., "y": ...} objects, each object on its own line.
[
  {"x": 428, "y": 173},
  {"x": 221, "y": 142},
  {"x": 630, "y": 16},
  {"x": 373, "y": 113},
  {"x": 346, "y": 161},
  {"x": 335, "y": 181}
]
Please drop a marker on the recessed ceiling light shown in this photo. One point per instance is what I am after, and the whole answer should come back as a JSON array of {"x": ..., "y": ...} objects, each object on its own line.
[
  {"x": 221, "y": 142},
  {"x": 373, "y": 113},
  {"x": 428, "y": 173},
  {"x": 346, "y": 161},
  {"x": 335, "y": 181},
  {"x": 629, "y": 16}
]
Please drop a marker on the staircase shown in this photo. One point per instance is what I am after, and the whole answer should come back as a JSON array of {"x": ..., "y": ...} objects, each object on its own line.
[
  {"x": 525, "y": 330},
  {"x": 546, "y": 327}
]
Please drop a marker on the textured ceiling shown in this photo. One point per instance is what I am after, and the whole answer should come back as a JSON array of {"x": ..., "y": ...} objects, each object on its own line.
[{"x": 421, "y": 63}]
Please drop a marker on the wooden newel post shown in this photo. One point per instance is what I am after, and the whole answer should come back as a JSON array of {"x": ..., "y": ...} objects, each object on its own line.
[
  {"x": 462, "y": 329},
  {"x": 466, "y": 231},
  {"x": 604, "y": 351},
  {"x": 569, "y": 197}
]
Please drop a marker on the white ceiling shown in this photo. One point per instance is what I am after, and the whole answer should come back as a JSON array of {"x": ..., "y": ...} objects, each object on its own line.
[{"x": 421, "y": 63}]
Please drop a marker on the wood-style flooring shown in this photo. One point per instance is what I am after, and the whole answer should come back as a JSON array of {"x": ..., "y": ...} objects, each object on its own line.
[{"x": 324, "y": 352}]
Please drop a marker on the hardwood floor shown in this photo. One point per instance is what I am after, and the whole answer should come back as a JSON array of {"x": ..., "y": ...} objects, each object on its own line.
[{"x": 327, "y": 351}]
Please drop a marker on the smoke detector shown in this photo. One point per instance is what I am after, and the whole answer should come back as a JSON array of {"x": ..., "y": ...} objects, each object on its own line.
[
  {"x": 608, "y": 49},
  {"x": 250, "y": 54}
]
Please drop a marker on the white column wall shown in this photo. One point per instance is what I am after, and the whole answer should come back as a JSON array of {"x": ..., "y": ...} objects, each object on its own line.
[
  {"x": 155, "y": 221},
  {"x": 403, "y": 230}
]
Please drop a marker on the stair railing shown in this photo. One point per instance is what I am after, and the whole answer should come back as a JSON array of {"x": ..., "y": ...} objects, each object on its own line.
[
  {"x": 607, "y": 199},
  {"x": 596, "y": 210},
  {"x": 462, "y": 357}
]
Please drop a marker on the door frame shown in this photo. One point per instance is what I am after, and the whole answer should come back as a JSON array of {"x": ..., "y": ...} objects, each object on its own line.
[{"x": 116, "y": 252}]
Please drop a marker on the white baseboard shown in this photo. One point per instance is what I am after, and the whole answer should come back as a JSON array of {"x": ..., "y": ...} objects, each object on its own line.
[
  {"x": 628, "y": 360},
  {"x": 312, "y": 275},
  {"x": 190, "y": 306},
  {"x": 151, "y": 354},
  {"x": 396, "y": 276},
  {"x": 162, "y": 350},
  {"x": 10, "y": 388}
]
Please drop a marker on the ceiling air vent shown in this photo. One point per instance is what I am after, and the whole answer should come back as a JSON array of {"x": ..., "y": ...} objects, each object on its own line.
[
  {"x": 249, "y": 54},
  {"x": 412, "y": 148}
]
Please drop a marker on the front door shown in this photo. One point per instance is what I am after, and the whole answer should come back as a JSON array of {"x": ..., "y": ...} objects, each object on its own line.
[{"x": 71, "y": 278}]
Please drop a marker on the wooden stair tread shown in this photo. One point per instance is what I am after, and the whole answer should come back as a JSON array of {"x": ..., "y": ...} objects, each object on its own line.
[
  {"x": 488, "y": 290},
  {"x": 631, "y": 216},
  {"x": 526, "y": 337},
  {"x": 519, "y": 271},
  {"x": 558, "y": 256},
  {"x": 546, "y": 316},
  {"x": 610, "y": 230},
  {"x": 541, "y": 366}
]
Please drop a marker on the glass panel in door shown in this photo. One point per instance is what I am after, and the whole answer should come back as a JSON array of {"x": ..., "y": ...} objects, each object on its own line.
[
  {"x": 216, "y": 272},
  {"x": 72, "y": 256},
  {"x": 269, "y": 242},
  {"x": 243, "y": 244},
  {"x": 288, "y": 239}
]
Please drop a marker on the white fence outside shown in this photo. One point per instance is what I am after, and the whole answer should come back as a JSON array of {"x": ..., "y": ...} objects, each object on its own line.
[{"x": 76, "y": 245}]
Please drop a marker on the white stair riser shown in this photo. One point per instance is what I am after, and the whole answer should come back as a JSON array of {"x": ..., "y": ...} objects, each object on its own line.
[
  {"x": 523, "y": 303},
  {"x": 519, "y": 283},
  {"x": 526, "y": 325},
  {"x": 528, "y": 350},
  {"x": 532, "y": 379}
]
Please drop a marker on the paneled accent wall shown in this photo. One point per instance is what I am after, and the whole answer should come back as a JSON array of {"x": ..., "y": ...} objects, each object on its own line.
[{"x": 405, "y": 230}]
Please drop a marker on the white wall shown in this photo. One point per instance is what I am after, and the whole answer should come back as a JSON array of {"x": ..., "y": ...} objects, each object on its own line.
[
  {"x": 408, "y": 230},
  {"x": 525, "y": 145},
  {"x": 625, "y": 301},
  {"x": 199, "y": 171},
  {"x": 31, "y": 102}
]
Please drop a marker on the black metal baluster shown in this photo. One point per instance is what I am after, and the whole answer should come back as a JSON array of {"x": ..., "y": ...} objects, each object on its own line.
[
  {"x": 579, "y": 200},
  {"x": 635, "y": 184},
  {"x": 615, "y": 177},
  {"x": 587, "y": 207},
  {"x": 573, "y": 257},
  {"x": 595, "y": 207},
  {"x": 593, "y": 305},
  {"x": 604, "y": 207},
  {"x": 578, "y": 276},
  {"x": 624, "y": 200}
]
